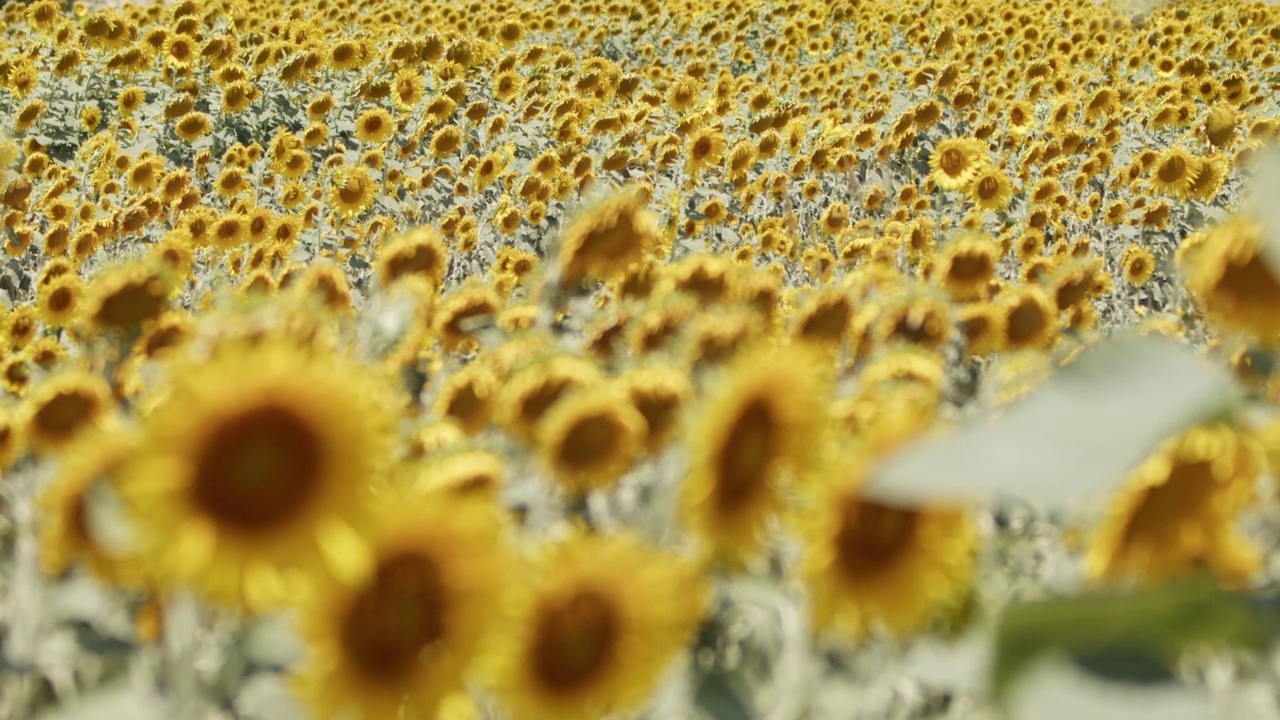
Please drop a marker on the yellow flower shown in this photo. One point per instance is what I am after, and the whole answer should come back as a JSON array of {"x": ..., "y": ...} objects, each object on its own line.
[
  {"x": 605, "y": 239},
  {"x": 705, "y": 150},
  {"x": 1030, "y": 319},
  {"x": 400, "y": 639},
  {"x": 353, "y": 191},
  {"x": 532, "y": 390},
  {"x": 64, "y": 408},
  {"x": 1175, "y": 172},
  {"x": 955, "y": 162},
  {"x": 876, "y": 566},
  {"x": 967, "y": 265},
  {"x": 590, "y": 439},
  {"x": 1139, "y": 265},
  {"x": 193, "y": 126},
  {"x": 991, "y": 189},
  {"x": 374, "y": 126},
  {"x": 253, "y": 468},
  {"x": 1225, "y": 268},
  {"x": 593, "y": 624},
  {"x": 760, "y": 427},
  {"x": 125, "y": 296},
  {"x": 59, "y": 300},
  {"x": 1178, "y": 512}
]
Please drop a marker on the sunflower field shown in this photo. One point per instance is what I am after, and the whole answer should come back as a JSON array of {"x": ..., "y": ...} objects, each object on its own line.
[{"x": 691, "y": 360}]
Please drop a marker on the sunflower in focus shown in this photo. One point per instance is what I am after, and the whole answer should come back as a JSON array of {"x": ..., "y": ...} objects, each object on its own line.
[
  {"x": 1178, "y": 512},
  {"x": 955, "y": 162},
  {"x": 401, "y": 638},
  {"x": 593, "y": 624},
  {"x": 253, "y": 466}
]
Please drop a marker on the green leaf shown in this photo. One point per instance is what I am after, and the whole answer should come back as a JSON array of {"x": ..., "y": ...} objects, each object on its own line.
[
  {"x": 1071, "y": 439},
  {"x": 1134, "y": 637},
  {"x": 1058, "y": 691}
]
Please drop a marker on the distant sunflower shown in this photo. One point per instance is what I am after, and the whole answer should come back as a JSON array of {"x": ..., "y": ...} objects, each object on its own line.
[
  {"x": 661, "y": 394},
  {"x": 466, "y": 310},
  {"x": 468, "y": 396},
  {"x": 705, "y": 149},
  {"x": 353, "y": 191},
  {"x": 192, "y": 126},
  {"x": 872, "y": 565},
  {"x": 463, "y": 473},
  {"x": 400, "y": 639},
  {"x": 374, "y": 126},
  {"x": 593, "y": 625},
  {"x": 1139, "y": 265},
  {"x": 991, "y": 189},
  {"x": 590, "y": 439},
  {"x": 1178, "y": 512},
  {"x": 955, "y": 162},
  {"x": 1175, "y": 172},
  {"x": 253, "y": 466},
  {"x": 533, "y": 389},
  {"x": 59, "y": 300},
  {"x": 759, "y": 427}
]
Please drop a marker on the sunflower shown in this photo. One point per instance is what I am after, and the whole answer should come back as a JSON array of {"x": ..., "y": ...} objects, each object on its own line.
[
  {"x": 1030, "y": 319},
  {"x": 955, "y": 162},
  {"x": 63, "y": 408},
  {"x": 446, "y": 141},
  {"x": 401, "y": 638},
  {"x": 192, "y": 126},
  {"x": 407, "y": 89},
  {"x": 463, "y": 473},
  {"x": 67, "y": 534},
  {"x": 126, "y": 296},
  {"x": 12, "y": 443},
  {"x": 705, "y": 150},
  {"x": 1175, "y": 172},
  {"x": 253, "y": 466},
  {"x": 608, "y": 237},
  {"x": 374, "y": 126},
  {"x": 967, "y": 266},
  {"x": 534, "y": 389},
  {"x": 1178, "y": 511},
  {"x": 593, "y": 626},
  {"x": 467, "y": 397},
  {"x": 180, "y": 50},
  {"x": 877, "y": 566},
  {"x": 467, "y": 310},
  {"x": 1139, "y": 265},
  {"x": 759, "y": 427},
  {"x": 1226, "y": 269},
  {"x": 991, "y": 189},
  {"x": 58, "y": 301},
  {"x": 353, "y": 191},
  {"x": 661, "y": 394},
  {"x": 590, "y": 439}
]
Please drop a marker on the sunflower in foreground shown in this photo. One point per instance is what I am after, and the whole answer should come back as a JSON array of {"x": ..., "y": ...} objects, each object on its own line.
[
  {"x": 400, "y": 640},
  {"x": 872, "y": 566},
  {"x": 592, "y": 628},
  {"x": 760, "y": 427},
  {"x": 1178, "y": 512},
  {"x": 607, "y": 238},
  {"x": 1227, "y": 270},
  {"x": 253, "y": 467}
]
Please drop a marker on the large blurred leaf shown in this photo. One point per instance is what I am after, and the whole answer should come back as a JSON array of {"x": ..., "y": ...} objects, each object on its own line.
[
  {"x": 1072, "y": 438},
  {"x": 1058, "y": 691},
  {"x": 1133, "y": 637},
  {"x": 1261, "y": 202}
]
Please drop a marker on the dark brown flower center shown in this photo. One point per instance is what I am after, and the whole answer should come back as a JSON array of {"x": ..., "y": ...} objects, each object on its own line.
[
  {"x": 397, "y": 616},
  {"x": 574, "y": 640}
]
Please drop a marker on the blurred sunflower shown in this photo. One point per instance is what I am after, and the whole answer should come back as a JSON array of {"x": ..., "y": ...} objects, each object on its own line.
[
  {"x": 1178, "y": 512},
  {"x": 399, "y": 639},
  {"x": 592, "y": 625},
  {"x": 253, "y": 466}
]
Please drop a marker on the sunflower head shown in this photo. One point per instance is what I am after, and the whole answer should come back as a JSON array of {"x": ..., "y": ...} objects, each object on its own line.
[
  {"x": 1226, "y": 269},
  {"x": 590, "y": 439},
  {"x": 955, "y": 162},
  {"x": 607, "y": 238}
]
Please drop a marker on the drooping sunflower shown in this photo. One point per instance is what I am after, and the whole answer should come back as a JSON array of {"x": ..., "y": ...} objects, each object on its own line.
[
  {"x": 875, "y": 566},
  {"x": 192, "y": 126},
  {"x": 1175, "y": 172},
  {"x": 760, "y": 427},
  {"x": 402, "y": 637},
  {"x": 253, "y": 467},
  {"x": 606, "y": 238},
  {"x": 125, "y": 296},
  {"x": 1179, "y": 509},
  {"x": 592, "y": 625},
  {"x": 955, "y": 162}
]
